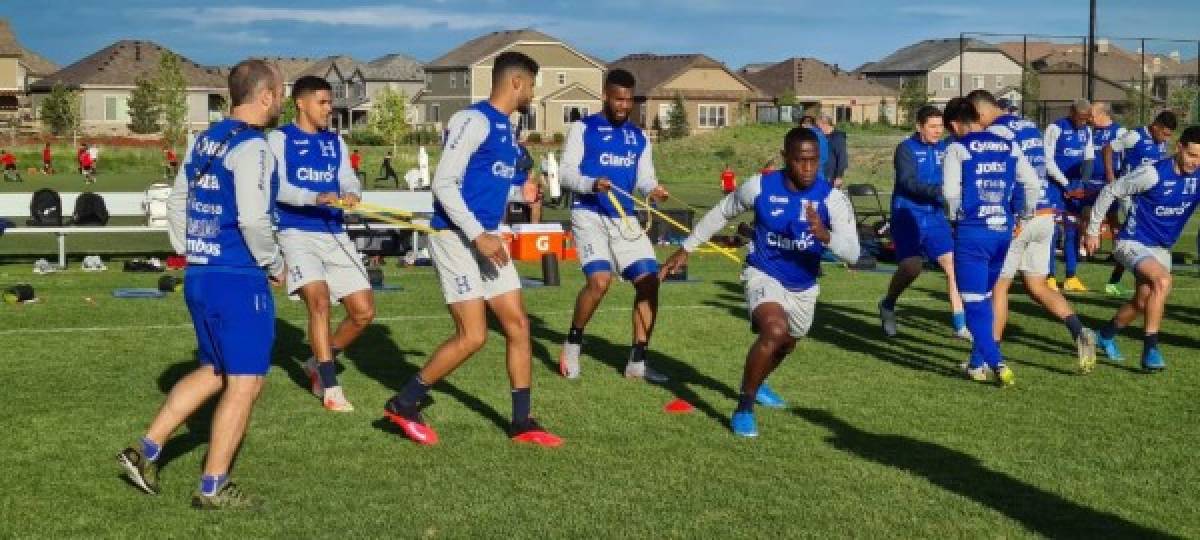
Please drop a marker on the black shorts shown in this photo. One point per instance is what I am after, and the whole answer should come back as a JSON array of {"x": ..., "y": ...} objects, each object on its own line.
[{"x": 10, "y": 167}]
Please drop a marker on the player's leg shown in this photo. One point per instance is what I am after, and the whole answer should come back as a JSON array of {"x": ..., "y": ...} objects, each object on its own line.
[
  {"x": 346, "y": 278},
  {"x": 972, "y": 257},
  {"x": 1157, "y": 274},
  {"x": 907, "y": 240},
  {"x": 958, "y": 319},
  {"x": 774, "y": 341},
  {"x": 322, "y": 371},
  {"x": 595, "y": 257},
  {"x": 1037, "y": 234},
  {"x": 638, "y": 266},
  {"x": 1071, "y": 239},
  {"x": 229, "y": 423},
  {"x": 1052, "y": 264},
  {"x": 509, "y": 310},
  {"x": 360, "y": 312}
]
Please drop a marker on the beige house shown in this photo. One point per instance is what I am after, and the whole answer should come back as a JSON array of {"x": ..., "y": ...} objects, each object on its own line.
[
  {"x": 818, "y": 86},
  {"x": 106, "y": 78},
  {"x": 568, "y": 84},
  {"x": 19, "y": 68},
  {"x": 713, "y": 96},
  {"x": 948, "y": 68},
  {"x": 356, "y": 84}
]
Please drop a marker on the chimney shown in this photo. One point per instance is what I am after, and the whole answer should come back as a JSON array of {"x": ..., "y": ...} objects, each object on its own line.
[
  {"x": 137, "y": 51},
  {"x": 1174, "y": 55}
]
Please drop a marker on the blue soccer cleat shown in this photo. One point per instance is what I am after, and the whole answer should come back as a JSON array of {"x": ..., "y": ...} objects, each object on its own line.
[
  {"x": 768, "y": 398},
  {"x": 743, "y": 424},
  {"x": 1152, "y": 360},
  {"x": 1109, "y": 346}
]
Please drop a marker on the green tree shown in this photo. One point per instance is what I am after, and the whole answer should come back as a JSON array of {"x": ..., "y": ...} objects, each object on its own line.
[
  {"x": 1031, "y": 94},
  {"x": 1137, "y": 106},
  {"x": 883, "y": 113},
  {"x": 677, "y": 122},
  {"x": 913, "y": 96},
  {"x": 60, "y": 110},
  {"x": 172, "y": 98},
  {"x": 389, "y": 116},
  {"x": 144, "y": 111},
  {"x": 288, "y": 112},
  {"x": 1184, "y": 101}
]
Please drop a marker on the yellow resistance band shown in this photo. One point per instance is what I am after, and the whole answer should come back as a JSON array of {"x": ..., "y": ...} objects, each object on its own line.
[
  {"x": 671, "y": 221},
  {"x": 386, "y": 215}
]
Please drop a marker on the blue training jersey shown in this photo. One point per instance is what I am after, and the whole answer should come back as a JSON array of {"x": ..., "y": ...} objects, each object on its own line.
[
  {"x": 612, "y": 152},
  {"x": 1147, "y": 150},
  {"x": 989, "y": 178},
  {"x": 783, "y": 246},
  {"x": 310, "y": 161},
  {"x": 214, "y": 238},
  {"x": 1101, "y": 137},
  {"x": 928, "y": 160},
  {"x": 1070, "y": 149},
  {"x": 490, "y": 168},
  {"x": 1027, "y": 136},
  {"x": 1158, "y": 215}
]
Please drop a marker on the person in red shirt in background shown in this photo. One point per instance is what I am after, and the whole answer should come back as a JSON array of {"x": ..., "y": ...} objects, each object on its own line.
[
  {"x": 728, "y": 180},
  {"x": 172, "y": 162},
  {"x": 10, "y": 166},
  {"x": 86, "y": 166},
  {"x": 47, "y": 162},
  {"x": 356, "y": 162}
]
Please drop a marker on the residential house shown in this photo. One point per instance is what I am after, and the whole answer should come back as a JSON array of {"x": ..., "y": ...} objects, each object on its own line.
[
  {"x": 290, "y": 67},
  {"x": 350, "y": 102},
  {"x": 568, "y": 84},
  {"x": 818, "y": 86},
  {"x": 106, "y": 78},
  {"x": 19, "y": 68},
  {"x": 355, "y": 84},
  {"x": 713, "y": 95},
  {"x": 947, "y": 67},
  {"x": 398, "y": 73},
  {"x": 1175, "y": 76}
]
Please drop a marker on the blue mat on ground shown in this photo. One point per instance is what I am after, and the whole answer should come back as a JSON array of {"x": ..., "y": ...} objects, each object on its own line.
[
  {"x": 682, "y": 281},
  {"x": 387, "y": 288},
  {"x": 532, "y": 283},
  {"x": 138, "y": 293}
]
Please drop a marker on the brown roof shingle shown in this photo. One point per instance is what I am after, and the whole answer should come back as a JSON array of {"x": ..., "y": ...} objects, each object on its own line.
[
  {"x": 291, "y": 67},
  {"x": 123, "y": 62},
  {"x": 812, "y": 77},
  {"x": 653, "y": 70},
  {"x": 37, "y": 64},
  {"x": 476, "y": 49}
]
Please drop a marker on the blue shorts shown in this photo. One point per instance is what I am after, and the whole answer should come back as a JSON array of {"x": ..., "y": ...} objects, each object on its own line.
[
  {"x": 978, "y": 258},
  {"x": 234, "y": 317},
  {"x": 917, "y": 232}
]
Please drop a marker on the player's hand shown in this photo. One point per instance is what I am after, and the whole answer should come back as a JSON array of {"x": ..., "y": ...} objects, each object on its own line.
[
  {"x": 745, "y": 229},
  {"x": 838, "y": 182},
  {"x": 1091, "y": 243},
  {"x": 326, "y": 199},
  {"x": 659, "y": 194},
  {"x": 602, "y": 185},
  {"x": 492, "y": 248},
  {"x": 1077, "y": 193},
  {"x": 815, "y": 225},
  {"x": 673, "y": 264},
  {"x": 278, "y": 279},
  {"x": 350, "y": 200}
]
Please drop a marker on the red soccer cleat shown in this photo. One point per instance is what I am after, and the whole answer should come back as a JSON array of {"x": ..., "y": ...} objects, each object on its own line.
[
  {"x": 528, "y": 431},
  {"x": 412, "y": 426}
]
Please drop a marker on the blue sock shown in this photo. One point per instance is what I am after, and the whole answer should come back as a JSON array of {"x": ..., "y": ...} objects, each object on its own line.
[
  {"x": 889, "y": 303},
  {"x": 959, "y": 320},
  {"x": 1074, "y": 325},
  {"x": 1070, "y": 248},
  {"x": 150, "y": 449},
  {"x": 1109, "y": 330},
  {"x": 1150, "y": 341},
  {"x": 412, "y": 394},
  {"x": 210, "y": 484},
  {"x": 520, "y": 405},
  {"x": 328, "y": 373},
  {"x": 746, "y": 402},
  {"x": 979, "y": 322}
]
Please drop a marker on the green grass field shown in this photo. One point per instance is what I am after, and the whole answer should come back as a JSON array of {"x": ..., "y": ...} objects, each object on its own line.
[{"x": 884, "y": 439}]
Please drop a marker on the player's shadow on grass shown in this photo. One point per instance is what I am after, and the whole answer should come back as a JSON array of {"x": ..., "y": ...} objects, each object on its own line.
[
  {"x": 682, "y": 375},
  {"x": 198, "y": 424},
  {"x": 377, "y": 355},
  {"x": 1039, "y": 510},
  {"x": 1134, "y": 331}
]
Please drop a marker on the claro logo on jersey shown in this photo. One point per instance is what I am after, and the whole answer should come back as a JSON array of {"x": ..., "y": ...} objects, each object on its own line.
[
  {"x": 1172, "y": 211},
  {"x": 989, "y": 146},
  {"x": 504, "y": 170},
  {"x": 779, "y": 241},
  {"x": 309, "y": 174},
  {"x": 608, "y": 159}
]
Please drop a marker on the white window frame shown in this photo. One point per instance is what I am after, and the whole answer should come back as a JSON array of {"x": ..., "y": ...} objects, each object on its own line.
[
  {"x": 562, "y": 78},
  {"x": 999, "y": 81},
  {"x": 120, "y": 104},
  {"x": 584, "y": 111},
  {"x": 717, "y": 121},
  {"x": 949, "y": 82},
  {"x": 454, "y": 80},
  {"x": 978, "y": 82},
  {"x": 664, "y": 114}
]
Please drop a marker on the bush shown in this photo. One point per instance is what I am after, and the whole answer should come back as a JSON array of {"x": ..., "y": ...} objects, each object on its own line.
[
  {"x": 559, "y": 138},
  {"x": 534, "y": 138},
  {"x": 364, "y": 137}
]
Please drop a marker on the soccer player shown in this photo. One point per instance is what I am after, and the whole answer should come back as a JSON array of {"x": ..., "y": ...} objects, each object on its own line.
[
  {"x": 981, "y": 174},
  {"x": 220, "y": 216},
  {"x": 323, "y": 266},
  {"x": 1069, "y": 157},
  {"x": 604, "y": 150},
  {"x": 87, "y": 165},
  {"x": 1130, "y": 150},
  {"x": 47, "y": 160},
  {"x": 1030, "y": 249},
  {"x": 472, "y": 186},
  {"x": 919, "y": 226},
  {"x": 1164, "y": 195},
  {"x": 10, "y": 166},
  {"x": 797, "y": 215}
]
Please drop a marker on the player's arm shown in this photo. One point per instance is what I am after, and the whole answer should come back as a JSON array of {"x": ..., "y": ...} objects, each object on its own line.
[
  {"x": 843, "y": 234},
  {"x": 569, "y": 174},
  {"x": 733, "y": 205},
  {"x": 252, "y": 165},
  {"x": 907, "y": 180},
  {"x": 1089, "y": 157},
  {"x": 177, "y": 207},
  {"x": 956, "y": 153},
  {"x": 348, "y": 183},
  {"x": 467, "y": 130},
  {"x": 1124, "y": 141},
  {"x": 289, "y": 193},
  {"x": 647, "y": 177},
  {"x": 1139, "y": 180},
  {"x": 1027, "y": 176},
  {"x": 1050, "y": 142}
]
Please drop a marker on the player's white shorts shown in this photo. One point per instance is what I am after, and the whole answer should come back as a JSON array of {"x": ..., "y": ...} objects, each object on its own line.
[
  {"x": 800, "y": 306},
  {"x": 1030, "y": 251},
  {"x": 1131, "y": 252},
  {"x": 610, "y": 245},
  {"x": 464, "y": 273},
  {"x": 321, "y": 256}
]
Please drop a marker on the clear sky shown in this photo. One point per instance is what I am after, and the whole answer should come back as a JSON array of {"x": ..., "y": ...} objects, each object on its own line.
[{"x": 844, "y": 32}]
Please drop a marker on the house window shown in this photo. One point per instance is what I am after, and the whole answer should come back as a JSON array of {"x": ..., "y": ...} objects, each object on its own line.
[
  {"x": 977, "y": 81},
  {"x": 428, "y": 80},
  {"x": 572, "y": 113},
  {"x": 664, "y": 114},
  {"x": 999, "y": 81},
  {"x": 948, "y": 82},
  {"x": 642, "y": 113},
  {"x": 116, "y": 109},
  {"x": 435, "y": 113},
  {"x": 562, "y": 78},
  {"x": 538, "y": 80},
  {"x": 528, "y": 122},
  {"x": 466, "y": 80},
  {"x": 453, "y": 80},
  {"x": 842, "y": 113},
  {"x": 713, "y": 116}
]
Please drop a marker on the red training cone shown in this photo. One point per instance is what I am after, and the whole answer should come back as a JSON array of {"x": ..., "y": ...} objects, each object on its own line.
[{"x": 678, "y": 406}]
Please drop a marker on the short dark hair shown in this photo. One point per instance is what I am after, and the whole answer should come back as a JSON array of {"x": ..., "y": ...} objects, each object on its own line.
[
  {"x": 247, "y": 78},
  {"x": 620, "y": 77},
  {"x": 961, "y": 110},
  {"x": 926, "y": 112},
  {"x": 982, "y": 97},
  {"x": 1167, "y": 119},
  {"x": 308, "y": 84},
  {"x": 798, "y": 135},
  {"x": 808, "y": 119},
  {"x": 509, "y": 61},
  {"x": 1191, "y": 135}
]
